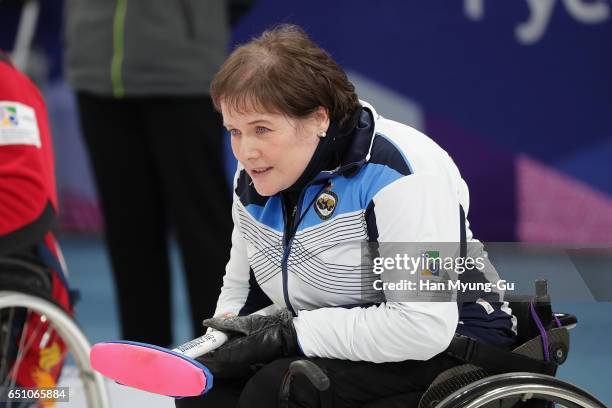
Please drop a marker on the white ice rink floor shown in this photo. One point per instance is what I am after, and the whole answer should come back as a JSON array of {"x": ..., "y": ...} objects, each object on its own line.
[{"x": 120, "y": 396}]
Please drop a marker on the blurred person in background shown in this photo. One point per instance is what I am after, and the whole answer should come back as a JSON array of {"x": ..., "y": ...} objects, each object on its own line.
[
  {"x": 141, "y": 70},
  {"x": 30, "y": 258}
]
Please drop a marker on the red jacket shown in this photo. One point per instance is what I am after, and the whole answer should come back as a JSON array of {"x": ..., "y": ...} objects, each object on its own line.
[
  {"x": 28, "y": 199},
  {"x": 28, "y": 204}
]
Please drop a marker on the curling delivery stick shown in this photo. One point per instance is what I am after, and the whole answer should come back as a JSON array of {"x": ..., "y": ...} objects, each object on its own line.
[{"x": 159, "y": 370}]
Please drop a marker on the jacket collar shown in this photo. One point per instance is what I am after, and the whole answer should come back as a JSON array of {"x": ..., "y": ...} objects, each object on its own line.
[
  {"x": 329, "y": 152},
  {"x": 360, "y": 149}
]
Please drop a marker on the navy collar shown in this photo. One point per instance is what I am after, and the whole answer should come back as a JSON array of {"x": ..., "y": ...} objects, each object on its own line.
[
  {"x": 361, "y": 140},
  {"x": 330, "y": 152}
]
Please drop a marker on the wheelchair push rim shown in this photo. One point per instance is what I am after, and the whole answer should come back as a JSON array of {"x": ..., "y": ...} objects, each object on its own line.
[
  {"x": 526, "y": 385},
  {"x": 77, "y": 344}
]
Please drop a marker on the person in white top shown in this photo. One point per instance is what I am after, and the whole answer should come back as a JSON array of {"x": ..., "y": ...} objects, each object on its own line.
[{"x": 321, "y": 175}]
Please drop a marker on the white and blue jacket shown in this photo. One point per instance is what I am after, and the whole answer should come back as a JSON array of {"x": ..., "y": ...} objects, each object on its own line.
[{"x": 395, "y": 184}]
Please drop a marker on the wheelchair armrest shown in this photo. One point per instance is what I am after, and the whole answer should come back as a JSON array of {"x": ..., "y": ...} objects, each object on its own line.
[
  {"x": 569, "y": 321},
  {"x": 313, "y": 372},
  {"x": 310, "y": 370}
]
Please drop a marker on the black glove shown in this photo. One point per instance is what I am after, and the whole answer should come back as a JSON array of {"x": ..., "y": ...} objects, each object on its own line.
[{"x": 254, "y": 340}]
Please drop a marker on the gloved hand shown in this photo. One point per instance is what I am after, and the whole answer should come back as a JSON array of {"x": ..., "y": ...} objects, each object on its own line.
[{"x": 254, "y": 340}]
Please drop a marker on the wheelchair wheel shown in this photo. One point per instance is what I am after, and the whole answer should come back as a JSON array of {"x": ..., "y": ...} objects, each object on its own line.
[
  {"x": 86, "y": 387},
  {"x": 520, "y": 390}
]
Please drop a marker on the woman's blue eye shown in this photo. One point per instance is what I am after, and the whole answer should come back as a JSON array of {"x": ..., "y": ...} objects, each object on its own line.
[
  {"x": 233, "y": 132},
  {"x": 261, "y": 129}
]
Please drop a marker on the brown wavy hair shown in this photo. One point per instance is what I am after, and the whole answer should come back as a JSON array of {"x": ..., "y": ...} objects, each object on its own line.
[{"x": 284, "y": 71}]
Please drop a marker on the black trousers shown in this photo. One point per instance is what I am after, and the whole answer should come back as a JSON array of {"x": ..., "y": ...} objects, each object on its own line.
[
  {"x": 353, "y": 384},
  {"x": 158, "y": 164}
]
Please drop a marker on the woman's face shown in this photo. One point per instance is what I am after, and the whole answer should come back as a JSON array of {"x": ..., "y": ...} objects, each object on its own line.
[{"x": 273, "y": 148}]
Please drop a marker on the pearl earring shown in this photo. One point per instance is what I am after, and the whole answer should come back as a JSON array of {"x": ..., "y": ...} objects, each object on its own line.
[{"x": 322, "y": 134}]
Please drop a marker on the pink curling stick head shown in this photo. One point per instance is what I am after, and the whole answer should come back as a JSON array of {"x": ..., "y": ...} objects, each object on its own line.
[{"x": 151, "y": 368}]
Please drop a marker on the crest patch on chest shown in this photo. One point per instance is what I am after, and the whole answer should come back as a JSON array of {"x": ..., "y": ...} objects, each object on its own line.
[{"x": 326, "y": 204}]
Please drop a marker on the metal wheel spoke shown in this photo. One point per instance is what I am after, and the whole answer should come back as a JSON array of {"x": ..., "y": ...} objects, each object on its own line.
[
  {"x": 5, "y": 341},
  {"x": 25, "y": 347},
  {"x": 43, "y": 320}
]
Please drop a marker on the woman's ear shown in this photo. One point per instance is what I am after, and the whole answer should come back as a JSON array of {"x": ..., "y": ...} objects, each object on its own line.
[{"x": 321, "y": 116}]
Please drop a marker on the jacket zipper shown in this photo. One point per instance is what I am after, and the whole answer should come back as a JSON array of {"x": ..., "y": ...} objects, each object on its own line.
[
  {"x": 287, "y": 240},
  {"x": 295, "y": 215},
  {"x": 188, "y": 19},
  {"x": 118, "y": 44},
  {"x": 289, "y": 233}
]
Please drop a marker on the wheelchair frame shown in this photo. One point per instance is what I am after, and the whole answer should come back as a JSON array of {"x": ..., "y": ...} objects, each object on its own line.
[
  {"x": 469, "y": 386},
  {"x": 76, "y": 342},
  {"x": 523, "y": 387}
]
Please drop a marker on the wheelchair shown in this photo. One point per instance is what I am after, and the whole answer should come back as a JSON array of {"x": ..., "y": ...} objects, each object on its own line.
[
  {"x": 521, "y": 378},
  {"x": 26, "y": 310}
]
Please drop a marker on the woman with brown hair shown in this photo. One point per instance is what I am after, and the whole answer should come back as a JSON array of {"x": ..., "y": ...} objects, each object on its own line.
[{"x": 320, "y": 173}]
